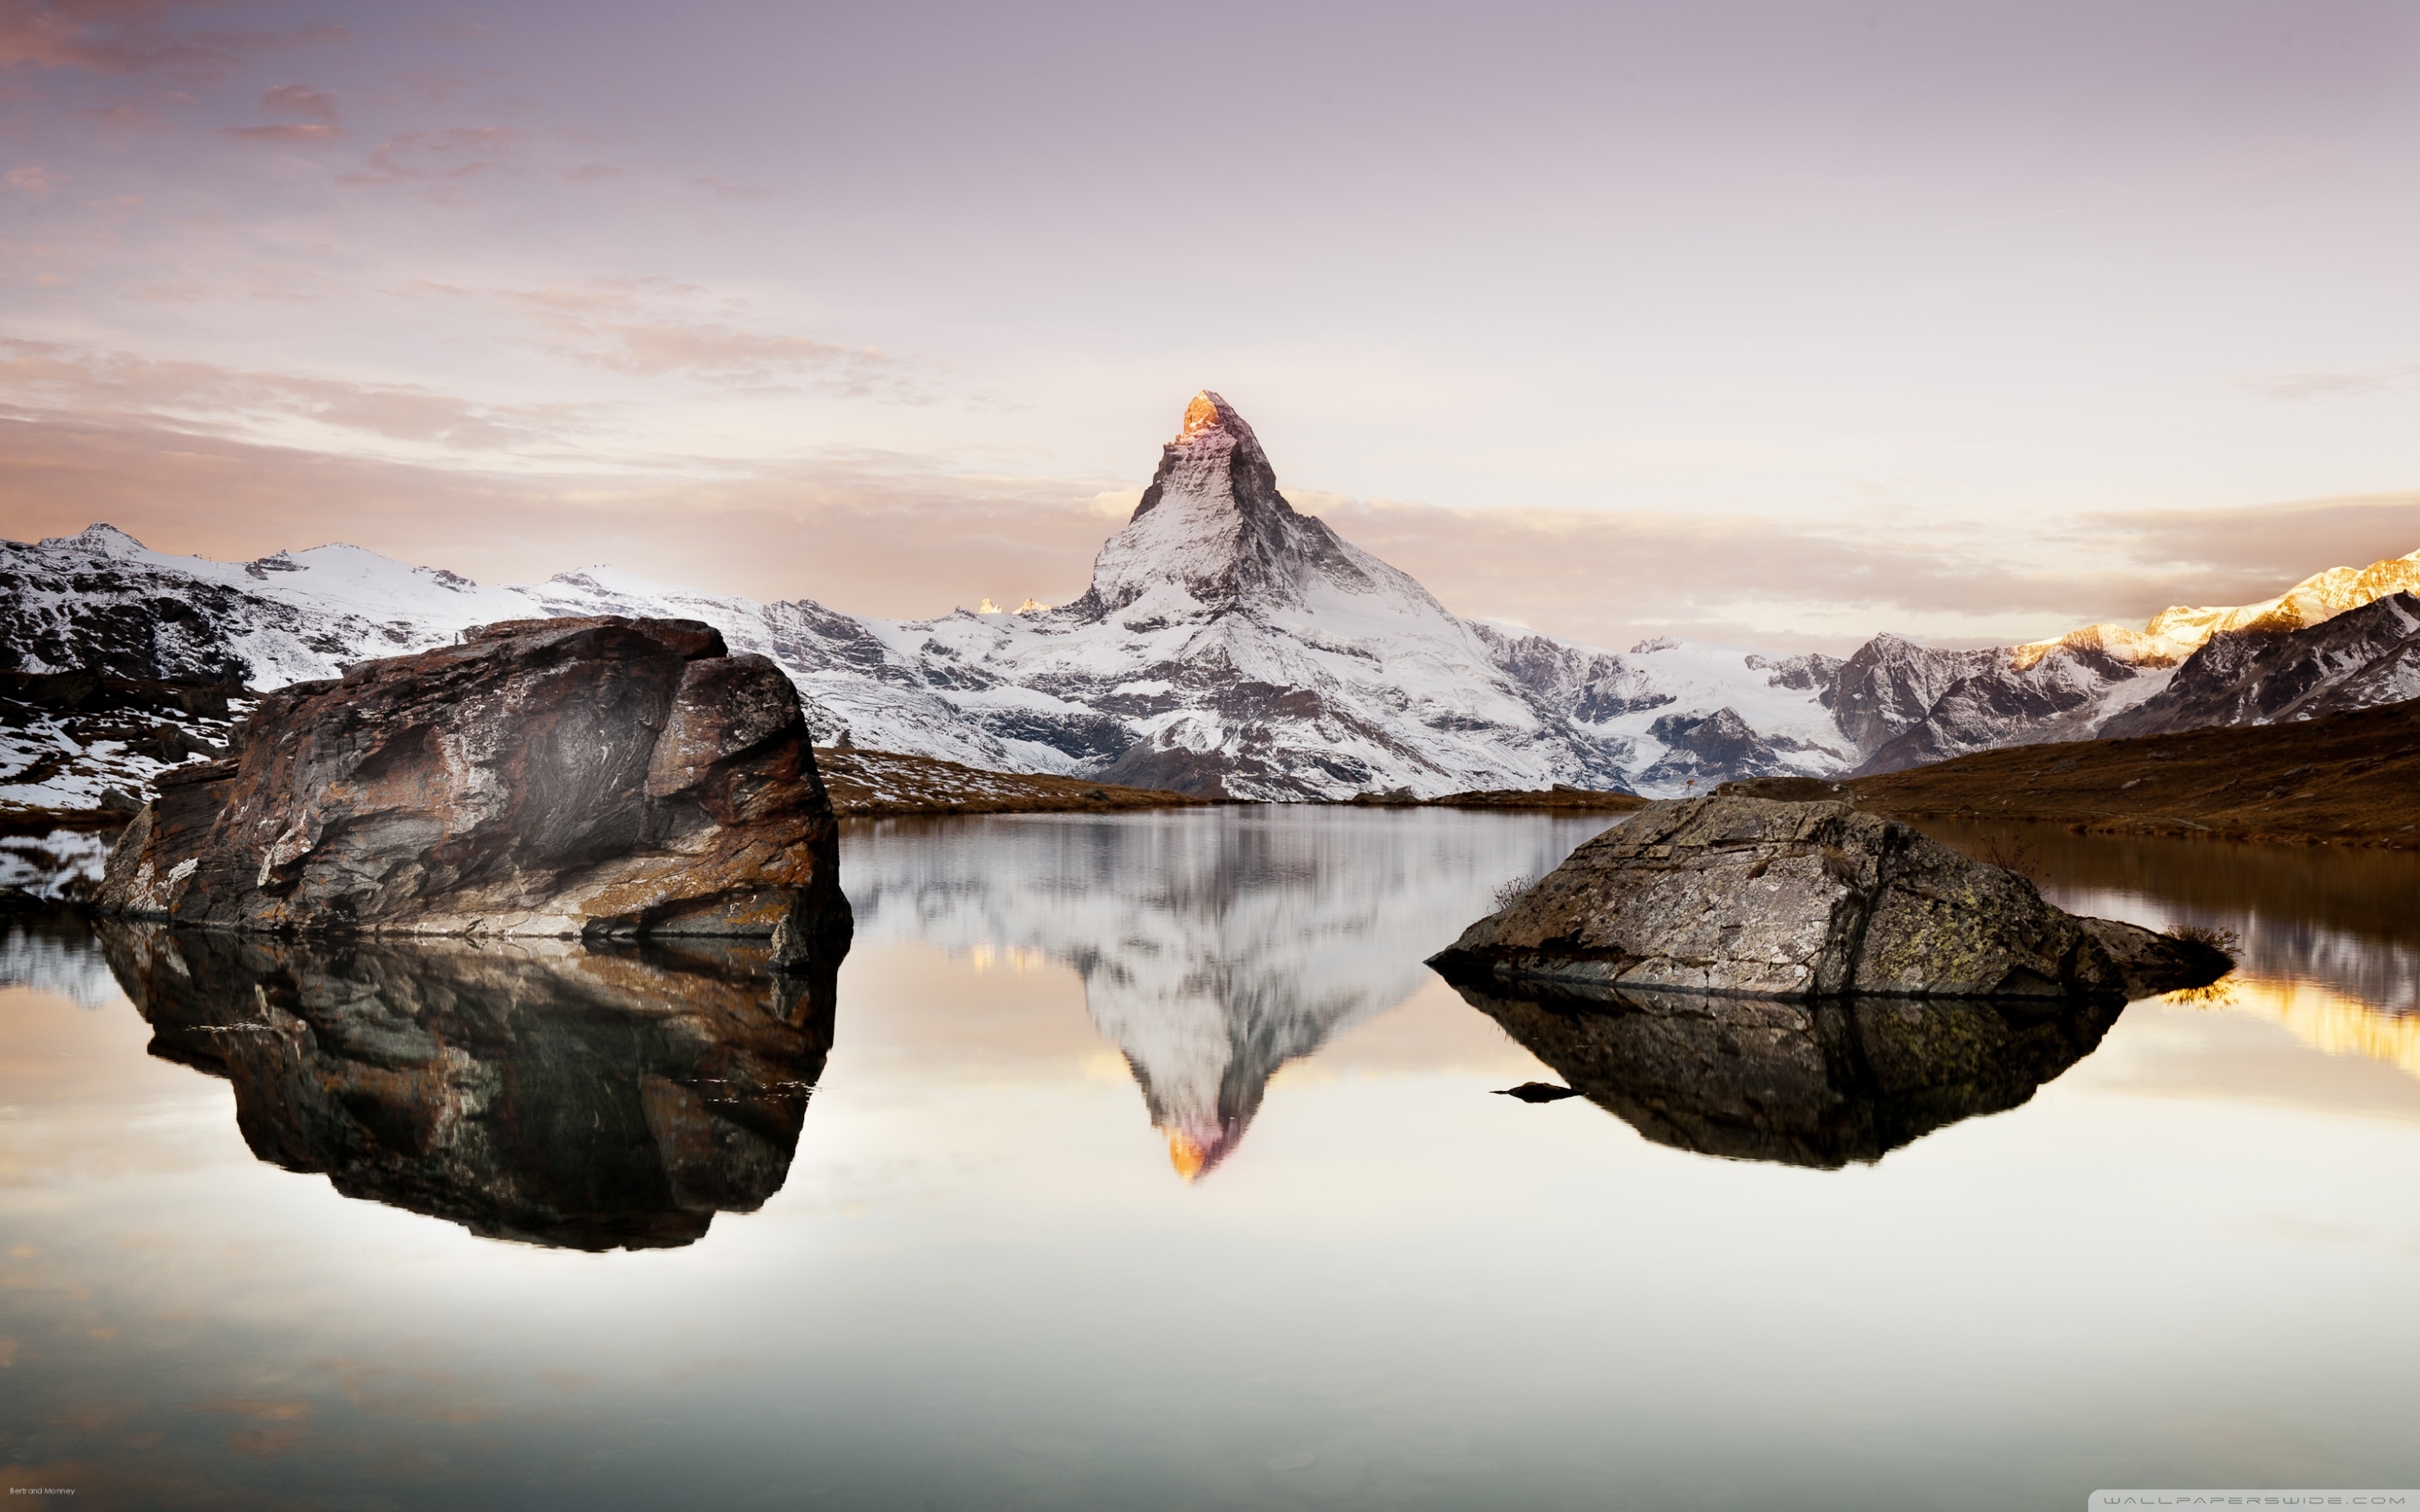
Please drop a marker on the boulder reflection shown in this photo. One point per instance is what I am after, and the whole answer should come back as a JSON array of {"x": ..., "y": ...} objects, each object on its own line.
[
  {"x": 539, "y": 1091},
  {"x": 1821, "y": 1084}
]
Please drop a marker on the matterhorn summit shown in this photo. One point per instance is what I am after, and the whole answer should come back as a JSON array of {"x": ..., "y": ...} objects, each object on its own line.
[
  {"x": 1229, "y": 644},
  {"x": 1212, "y": 534}
]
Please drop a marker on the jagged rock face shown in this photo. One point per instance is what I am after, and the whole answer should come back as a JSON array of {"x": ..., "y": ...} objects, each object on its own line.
[
  {"x": 1212, "y": 534},
  {"x": 2357, "y": 659},
  {"x": 2063, "y": 695},
  {"x": 87, "y": 739},
  {"x": 1754, "y": 897},
  {"x": 2107, "y": 679},
  {"x": 1891, "y": 684},
  {"x": 539, "y": 1092},
  {"x": 1820, "y": 1084},
  {"x": 575, "y": 777},
  {"x": 1704, "y": 750}
]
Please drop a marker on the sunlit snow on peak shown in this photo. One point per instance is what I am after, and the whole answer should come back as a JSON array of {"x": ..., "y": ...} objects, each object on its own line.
[{"x": 1201, "y": 415}]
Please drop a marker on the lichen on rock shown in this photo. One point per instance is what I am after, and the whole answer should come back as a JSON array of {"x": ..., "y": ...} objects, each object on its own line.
[{"x": 1751, "y": 897}]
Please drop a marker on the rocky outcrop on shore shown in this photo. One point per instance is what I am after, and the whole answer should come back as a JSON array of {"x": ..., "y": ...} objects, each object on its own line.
[
  {"x": 1758, "y": 897},
  {"x": 599, "y": 777}
]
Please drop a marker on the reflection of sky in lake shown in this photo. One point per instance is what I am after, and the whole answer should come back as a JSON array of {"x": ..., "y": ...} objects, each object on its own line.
[
  {"x": 2329, "y": 936},
  {"x": 978, "y": 1286}
]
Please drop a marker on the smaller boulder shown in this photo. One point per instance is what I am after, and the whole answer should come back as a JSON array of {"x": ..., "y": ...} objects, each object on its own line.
[
  {"x": 1743, "y": 896},
  {"x": 2158, "y": 962}
]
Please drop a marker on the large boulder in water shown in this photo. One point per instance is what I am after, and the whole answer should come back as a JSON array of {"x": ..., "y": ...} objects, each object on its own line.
[
  {"x": 601, "y": 777},
  {"x": 1751, "y": 897}
]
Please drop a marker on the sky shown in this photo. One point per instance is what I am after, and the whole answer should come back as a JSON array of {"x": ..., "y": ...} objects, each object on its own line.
[{"x": 1778, "y": 324}]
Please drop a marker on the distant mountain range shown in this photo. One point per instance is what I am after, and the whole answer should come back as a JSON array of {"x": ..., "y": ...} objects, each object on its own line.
[{"x": 1228, "y": 645}]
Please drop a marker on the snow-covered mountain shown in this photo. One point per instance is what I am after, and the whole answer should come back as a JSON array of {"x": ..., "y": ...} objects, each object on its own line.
[
  {"x": 2320, "y": 638},
  {"x": 1228, "y": 643}
]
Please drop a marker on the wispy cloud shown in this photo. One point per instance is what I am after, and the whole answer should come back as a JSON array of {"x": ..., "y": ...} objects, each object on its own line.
[
  {"x": 132, "y": 36},
  {"x": 1607, "y": 577},
  {"x": 865, "y": 532},
  {"x": 899, "y": 535},
  {"x": 2340, "y": 385},
  {"x": 641, "y": 329},
  {"x": 52, "y": 382},
  {"x": 309, "y": 115},
  {"x": 2246, "y": 553},
  {"x": 445, "y": 157},
  {"x": 290, "y": 131},
  {"x": 721, "y": 189},
  {"x": 300, "y": 102}
]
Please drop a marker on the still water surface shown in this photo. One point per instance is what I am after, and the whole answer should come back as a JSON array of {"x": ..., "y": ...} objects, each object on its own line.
[{"x": 1138, "y": 1161}]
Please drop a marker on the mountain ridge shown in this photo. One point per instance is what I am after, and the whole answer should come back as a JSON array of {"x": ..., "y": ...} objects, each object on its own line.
[{"x": 1227, "y": 645}]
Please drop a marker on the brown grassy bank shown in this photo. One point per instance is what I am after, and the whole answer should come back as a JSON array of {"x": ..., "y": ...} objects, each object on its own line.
[
  {"x": 1560, "y": 797},
  {"x": 2344, "y": 779},
  {"x": 867, "y": 784}
]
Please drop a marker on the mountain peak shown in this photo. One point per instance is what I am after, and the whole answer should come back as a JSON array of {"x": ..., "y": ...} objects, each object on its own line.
[
  {"x": 1213, "y": 529},
  {"x": 106, "y": 539},
  {"x": 1206, "y": 411},
  {"x": 1216, "y": 456}
]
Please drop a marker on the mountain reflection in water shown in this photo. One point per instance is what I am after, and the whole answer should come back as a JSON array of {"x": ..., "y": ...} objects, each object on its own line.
[
  {"x": 1215, "y": 945},
  {"x": 540, "y": 1091},
  {"x": 1821, "y": 1084}
]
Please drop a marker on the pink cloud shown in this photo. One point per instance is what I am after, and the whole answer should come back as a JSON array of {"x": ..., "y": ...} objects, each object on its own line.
[
  {"x": 286, "y": 131},
  {"x": 443, "y": 157},
  {"x": 298, "y": 101},
  {"x": 867, "y": 534},
  {"x": 131, "y": 37},
  {"x": 46, "y": 381},
  {"x": 610, "y": 326}
]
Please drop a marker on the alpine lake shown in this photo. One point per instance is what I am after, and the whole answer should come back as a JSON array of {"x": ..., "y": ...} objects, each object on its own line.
[{"x": 1138, "y": 1162}]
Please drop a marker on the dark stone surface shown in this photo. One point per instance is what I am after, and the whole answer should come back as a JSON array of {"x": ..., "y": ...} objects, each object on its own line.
[
  {"x": 1737, "y": 895},
  {"x": 1821, "y": 1084},
  {"x": 2153, "y": 963},
  {"x": 545, "y": 1091},
  {"x": 569, "y": 777},
  {"x": 1711, "y": 747}
]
